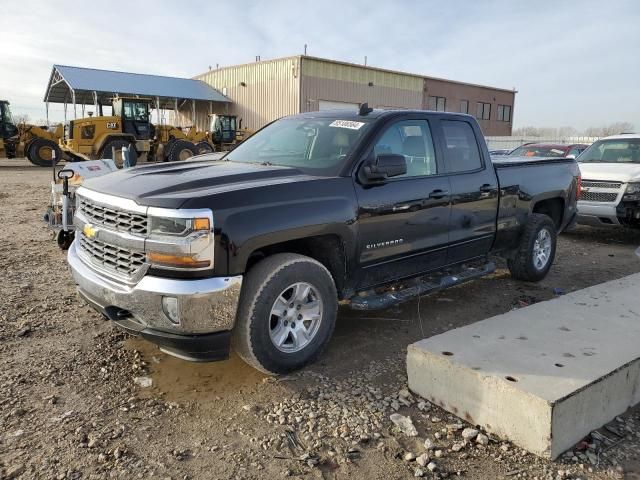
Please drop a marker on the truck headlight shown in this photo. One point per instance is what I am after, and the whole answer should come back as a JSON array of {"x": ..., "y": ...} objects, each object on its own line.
[
  {"x": 180, "y": 239},
  {"x": 632, "y": 192}
]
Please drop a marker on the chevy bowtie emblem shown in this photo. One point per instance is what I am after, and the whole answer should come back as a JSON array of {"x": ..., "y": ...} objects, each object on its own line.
[{"x": 89, "y": 231}]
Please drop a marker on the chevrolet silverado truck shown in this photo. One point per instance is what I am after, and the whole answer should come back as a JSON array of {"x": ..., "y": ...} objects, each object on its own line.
[
  {"x": 257, "y": 250},
  {"x": 611, "y": 186}
]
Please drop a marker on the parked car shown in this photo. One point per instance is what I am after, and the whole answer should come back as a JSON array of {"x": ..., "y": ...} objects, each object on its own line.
[
  {"x": 611, "y": 182},
  {"x": 366, "y": 209},
  {"x": 499, "y": 152},
  {"x": 549, "y": 150}
]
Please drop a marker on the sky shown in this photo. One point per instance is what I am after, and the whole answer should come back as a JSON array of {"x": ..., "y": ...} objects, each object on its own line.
[{"x": 574, "y": 63}]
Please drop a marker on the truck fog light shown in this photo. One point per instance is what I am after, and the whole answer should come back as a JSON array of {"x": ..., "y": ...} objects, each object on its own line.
[{"x": 170, "y": 308}]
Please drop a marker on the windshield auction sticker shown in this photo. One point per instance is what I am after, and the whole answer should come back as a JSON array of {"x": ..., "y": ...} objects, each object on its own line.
[{"x": 347, "y": 124}]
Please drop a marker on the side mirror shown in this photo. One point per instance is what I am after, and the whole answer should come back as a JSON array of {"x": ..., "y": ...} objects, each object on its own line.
[{"x": 386, "y": 165}]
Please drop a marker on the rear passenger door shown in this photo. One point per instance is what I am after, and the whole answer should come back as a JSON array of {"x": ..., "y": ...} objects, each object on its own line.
[
  {"x": 474, "y": 191},
  {"x": 403, "y": 223}
]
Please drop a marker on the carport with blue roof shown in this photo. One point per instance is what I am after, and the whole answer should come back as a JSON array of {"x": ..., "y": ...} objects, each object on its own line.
[{"x": 89, "y": 86}]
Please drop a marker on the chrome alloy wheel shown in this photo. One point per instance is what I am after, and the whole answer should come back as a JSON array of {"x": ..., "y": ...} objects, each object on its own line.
[
  {"x": 295, "y": 317},
  {"x": 542, "y": 249}
]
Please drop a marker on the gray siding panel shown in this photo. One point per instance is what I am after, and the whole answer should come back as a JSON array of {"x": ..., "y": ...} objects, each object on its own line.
[{"x": 261, "y": 92}]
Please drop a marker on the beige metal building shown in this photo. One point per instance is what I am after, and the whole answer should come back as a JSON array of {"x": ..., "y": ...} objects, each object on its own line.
[{"x": 266, "y": 90}]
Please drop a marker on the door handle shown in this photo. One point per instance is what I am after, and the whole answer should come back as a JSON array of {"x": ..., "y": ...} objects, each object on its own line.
[
  {"x": 438, "y": 194},
  {"x": 486, "y": 190}
]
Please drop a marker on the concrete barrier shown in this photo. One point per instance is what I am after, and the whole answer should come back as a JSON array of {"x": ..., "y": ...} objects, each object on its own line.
[{"x": 543, "y": 376}]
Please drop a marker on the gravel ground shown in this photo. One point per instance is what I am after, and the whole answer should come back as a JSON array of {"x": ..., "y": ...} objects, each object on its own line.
[{"x": 79, "y": 399}]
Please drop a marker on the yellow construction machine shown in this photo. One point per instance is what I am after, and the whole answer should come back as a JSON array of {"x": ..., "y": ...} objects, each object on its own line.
[
  {"x": 40, "y": 144},
  {"x": 8, "y": 132},
  {"x": 127, "y": 129},
  {"x": 225, "y": 132},
  {"x": 172, "y": 144}
]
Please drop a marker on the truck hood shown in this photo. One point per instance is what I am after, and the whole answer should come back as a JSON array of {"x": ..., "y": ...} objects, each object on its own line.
[
  {"x": 617, "y": 172},
  {"x": 170, "y": 185}
]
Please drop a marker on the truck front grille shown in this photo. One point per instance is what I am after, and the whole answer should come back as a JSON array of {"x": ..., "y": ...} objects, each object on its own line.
[
  {"x": 598, "y": 197},
  {"x": 111, "y": 257},
  {"x": 115, "y": 219},
  {"x": 600, "y": 184}
]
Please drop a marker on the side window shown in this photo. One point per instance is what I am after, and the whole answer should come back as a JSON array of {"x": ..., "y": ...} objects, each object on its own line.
[
  {"x": 575, "y": 151},
  {"x": 411, "y": 138},
  {"x": 461, "y": 152}
]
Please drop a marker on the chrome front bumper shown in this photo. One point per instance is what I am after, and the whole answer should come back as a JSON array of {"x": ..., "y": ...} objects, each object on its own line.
[
  {"x": 597, "y": 214},
  {"x": 203, "y": 305}
]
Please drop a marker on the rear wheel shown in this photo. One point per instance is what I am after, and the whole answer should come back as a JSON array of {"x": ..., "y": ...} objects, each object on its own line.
[
  {"x": 181, "y": 150},
  {"x": 537, "y": 249},
  {"x": 203, "y": 147},
  {"x": 287, "y": 313},
  {"x": 118, "y": 145},
  {"x": 41, "y": 152}
]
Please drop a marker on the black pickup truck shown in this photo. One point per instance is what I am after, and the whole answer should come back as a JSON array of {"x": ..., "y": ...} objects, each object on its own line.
[{"x": 258, "y": 249}]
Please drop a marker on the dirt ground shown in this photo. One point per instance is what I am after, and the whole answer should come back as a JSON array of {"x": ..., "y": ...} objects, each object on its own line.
[{"x": 70, "y": 407}]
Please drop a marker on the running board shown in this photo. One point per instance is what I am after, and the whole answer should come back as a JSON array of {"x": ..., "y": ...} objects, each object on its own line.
[{"x": 370, "y": 300}]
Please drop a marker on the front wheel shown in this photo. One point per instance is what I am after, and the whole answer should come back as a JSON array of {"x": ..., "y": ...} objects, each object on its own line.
[
  {"x": 537, "y": 250},
  {"x": 287, "y": 313}
]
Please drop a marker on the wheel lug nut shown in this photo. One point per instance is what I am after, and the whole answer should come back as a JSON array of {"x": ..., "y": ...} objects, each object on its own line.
[
  {"x": 291, "y": 305},
  {"x": 299, "y": 317},
  {"x": 298, "y": 307}
]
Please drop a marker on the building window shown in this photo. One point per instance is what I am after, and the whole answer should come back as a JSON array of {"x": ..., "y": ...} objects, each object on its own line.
[
  {"x": 504, "y": 113},
  {"x": 483, "y": 111},
  {"x": 437, "y": 103},
  {"x": 464, "y": 106}
]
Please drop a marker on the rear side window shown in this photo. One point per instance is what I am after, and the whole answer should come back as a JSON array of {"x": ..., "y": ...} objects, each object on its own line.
[{"x": 461, "y": 152}]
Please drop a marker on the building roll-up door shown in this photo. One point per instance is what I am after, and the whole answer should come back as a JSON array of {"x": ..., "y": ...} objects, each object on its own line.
[{"x": 329, "y": 105}]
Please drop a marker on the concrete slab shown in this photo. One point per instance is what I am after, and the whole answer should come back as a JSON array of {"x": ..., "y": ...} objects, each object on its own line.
[{"x": 542, "y": 376}]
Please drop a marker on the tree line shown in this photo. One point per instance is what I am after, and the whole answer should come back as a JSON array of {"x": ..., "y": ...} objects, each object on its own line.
[{"x": 560, "y": 132}]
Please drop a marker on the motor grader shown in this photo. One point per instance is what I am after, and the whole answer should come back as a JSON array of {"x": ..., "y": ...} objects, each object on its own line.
[{"x": 226, "y": 132}]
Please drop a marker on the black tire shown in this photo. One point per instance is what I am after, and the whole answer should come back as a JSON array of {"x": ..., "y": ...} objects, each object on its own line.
[
  {"x": 107, "y": 149},
  {"x": 41, "y": 150},
  {"x": 181, "y": 150},
  {"x": 203, "y": 147},
  {"x": 523, "y": 264},
  {"x": 267, "y": 281}
]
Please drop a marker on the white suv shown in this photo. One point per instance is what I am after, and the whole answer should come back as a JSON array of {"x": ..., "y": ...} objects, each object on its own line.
[{"x": 611, "y": 182}]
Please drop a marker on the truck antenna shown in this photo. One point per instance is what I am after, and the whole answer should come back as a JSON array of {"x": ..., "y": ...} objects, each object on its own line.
[{"x": 364, "y": 109}]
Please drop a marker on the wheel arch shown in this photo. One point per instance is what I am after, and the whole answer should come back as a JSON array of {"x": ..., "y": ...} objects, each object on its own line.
[
  {"x": 552, "y": 207},
  {"x": 328, "y": 249}
]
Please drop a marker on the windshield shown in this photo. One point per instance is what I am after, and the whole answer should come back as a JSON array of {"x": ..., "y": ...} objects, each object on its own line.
[
  {"x": 612, "y": 151},
  {"x": 137, "y": 111},
  {"x": 537, "y": 151},
  {"x": 315, "y": 145},
  {"x": 5, "y": 113}
]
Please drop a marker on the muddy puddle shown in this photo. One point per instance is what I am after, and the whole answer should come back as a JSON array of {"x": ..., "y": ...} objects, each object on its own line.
[{"x": 180, "y": 380}]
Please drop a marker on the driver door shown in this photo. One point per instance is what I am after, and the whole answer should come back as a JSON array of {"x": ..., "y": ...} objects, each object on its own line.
[{"x": 404, "y": 222}]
